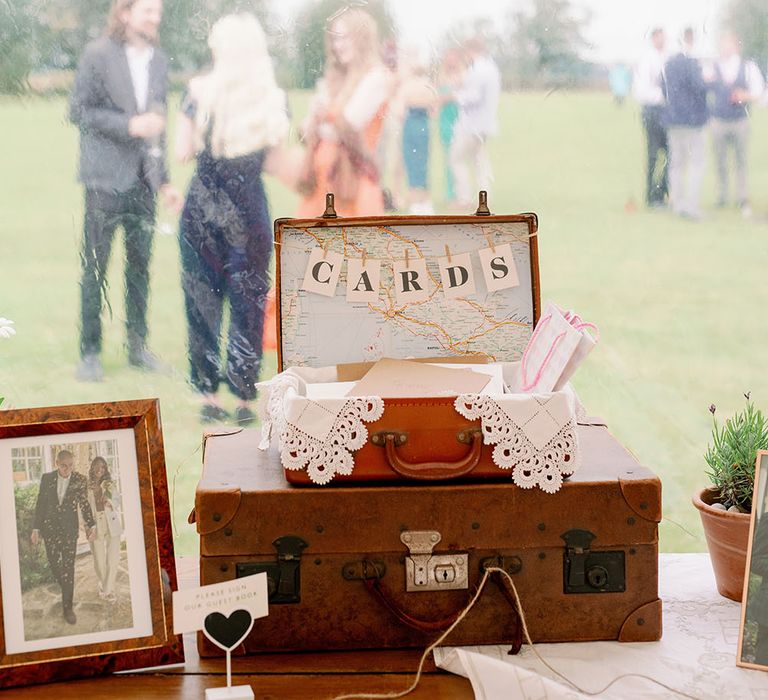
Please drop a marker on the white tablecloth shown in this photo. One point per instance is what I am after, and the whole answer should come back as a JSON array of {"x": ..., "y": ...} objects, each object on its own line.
[{"x": 696, "y": 655}]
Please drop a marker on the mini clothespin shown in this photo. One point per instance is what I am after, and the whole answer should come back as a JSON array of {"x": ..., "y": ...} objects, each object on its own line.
[
  {"x": 407, "y": 259},
  {"x": 365, "y": 257},
  {"x": 448, "y": 253},
  {"x": 489, "y": 238},
  {"x": 325, "y": 247}
]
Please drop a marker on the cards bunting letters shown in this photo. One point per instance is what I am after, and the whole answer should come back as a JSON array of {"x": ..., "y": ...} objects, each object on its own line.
[
  {"x": 363, "y": 278},
  {"x": 499, "y": 268},
  {"x": 457, "y": 276},
  {"x": 412, "y": 281},
  {"x": 323, "y": 272}
]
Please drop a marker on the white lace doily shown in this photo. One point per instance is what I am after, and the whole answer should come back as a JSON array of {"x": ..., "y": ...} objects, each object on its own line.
[
  {"x": 328, "y": 454},
  {"x": 272, "y": 404},
  {"x": 535, "y": 434},
  {"x": 317, "y": 436}
]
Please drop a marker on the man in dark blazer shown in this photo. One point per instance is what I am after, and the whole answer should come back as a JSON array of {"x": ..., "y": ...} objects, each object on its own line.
[
  {"x": 60, "y": 495},
  {"x": 119, "y": 104}
]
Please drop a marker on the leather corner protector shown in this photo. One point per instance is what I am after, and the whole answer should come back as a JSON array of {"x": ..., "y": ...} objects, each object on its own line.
[
  {"x": 644, "y": 624},
  {"x": 643, "y": 496},
  {"x": 215, "y": 507}
]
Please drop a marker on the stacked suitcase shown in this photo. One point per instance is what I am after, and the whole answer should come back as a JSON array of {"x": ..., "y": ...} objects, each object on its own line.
[{"x": 384, "y": 556}]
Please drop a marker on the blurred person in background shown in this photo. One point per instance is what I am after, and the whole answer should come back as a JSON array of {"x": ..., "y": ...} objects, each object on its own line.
[
  {"x": 735, "y": 83},
  {"x": 342, "y": 130},
  {"x": 415, "y": 103},
  {"x": 119, "y": 104},
  {"x": 478, "y": 100},
  {"x": 648, "y": 91},
  {"x": 685, "y": 115},
  {"x": 449, "y": 78},
  {"x": 620, "y": 81},
  {"x": 234, "y": 119},
  {"x": 388, "y": 157}
]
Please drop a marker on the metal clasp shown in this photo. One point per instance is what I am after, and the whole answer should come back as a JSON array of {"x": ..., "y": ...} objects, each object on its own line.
[
  {"x": 425, "y": 571},
  {"x": 588, "y": 571},
  {"x": 283, "y": 575}
]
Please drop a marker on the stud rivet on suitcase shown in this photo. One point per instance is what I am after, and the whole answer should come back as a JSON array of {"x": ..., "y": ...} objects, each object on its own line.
[{"x": 425, "y": 571}]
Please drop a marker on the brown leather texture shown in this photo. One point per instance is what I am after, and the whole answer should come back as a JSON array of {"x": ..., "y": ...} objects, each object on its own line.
[{"x": 344, "y": 527}]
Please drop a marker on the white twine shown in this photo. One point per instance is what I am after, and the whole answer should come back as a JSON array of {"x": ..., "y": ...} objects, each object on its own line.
[{"x": 527, "y": 637}]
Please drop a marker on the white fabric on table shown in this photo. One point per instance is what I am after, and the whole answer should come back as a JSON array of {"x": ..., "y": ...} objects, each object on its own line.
[{"x": 697, "y": 654}]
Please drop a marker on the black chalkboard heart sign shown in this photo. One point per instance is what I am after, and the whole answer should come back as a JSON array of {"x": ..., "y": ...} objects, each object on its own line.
[{"x": 228, "y": 632}]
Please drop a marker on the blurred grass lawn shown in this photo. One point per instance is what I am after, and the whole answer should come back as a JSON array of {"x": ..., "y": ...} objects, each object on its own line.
[{"x": 681, "y": 306}]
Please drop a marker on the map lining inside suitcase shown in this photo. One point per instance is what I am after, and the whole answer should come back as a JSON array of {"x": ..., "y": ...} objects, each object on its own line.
[{"x": 318, "y": 331}]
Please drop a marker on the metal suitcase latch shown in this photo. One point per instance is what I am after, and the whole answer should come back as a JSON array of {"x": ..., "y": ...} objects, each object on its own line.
[
  {"x": 284, "y": 575},
  {"x": 425, "y": 571},
  {"x": 585, "y": 571}
]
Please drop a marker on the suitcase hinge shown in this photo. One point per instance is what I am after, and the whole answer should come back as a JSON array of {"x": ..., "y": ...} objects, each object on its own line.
[
  {"x": 284, "y": 575},
  {"x": 585, "y": 571},
  {"x": 425, "y": 571},
  {"x": 512, "y": 565},
  {"x": 363, "y": 570}
]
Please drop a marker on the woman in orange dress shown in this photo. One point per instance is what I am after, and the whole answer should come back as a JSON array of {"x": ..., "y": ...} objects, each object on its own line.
[{"x": 345, "y": 119}]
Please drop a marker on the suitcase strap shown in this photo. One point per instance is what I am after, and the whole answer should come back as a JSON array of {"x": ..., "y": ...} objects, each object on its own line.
[{"x": 373, "y": 586}]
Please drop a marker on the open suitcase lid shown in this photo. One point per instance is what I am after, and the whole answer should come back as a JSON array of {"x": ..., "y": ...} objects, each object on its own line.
[{"x": 318, "y": 330}]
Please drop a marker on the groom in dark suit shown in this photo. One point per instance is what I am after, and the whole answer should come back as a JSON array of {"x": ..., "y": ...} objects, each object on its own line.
[
  {"x": 119, "y": 104},
  {"x": 60, "y": 495}
]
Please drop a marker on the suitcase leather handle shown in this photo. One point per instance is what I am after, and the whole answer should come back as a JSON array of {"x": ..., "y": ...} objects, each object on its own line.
[
  {"x": 374, "y": 586},
  {"x": 434, "y": 470}
]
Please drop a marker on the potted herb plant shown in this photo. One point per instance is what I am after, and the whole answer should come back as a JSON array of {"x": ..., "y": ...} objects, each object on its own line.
[{"x": 725, "y": 506}]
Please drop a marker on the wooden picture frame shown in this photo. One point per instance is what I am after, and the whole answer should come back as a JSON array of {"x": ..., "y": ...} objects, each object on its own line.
[
  {"x": 753, "y": 634},
  {"x": 119, "y": 587}
]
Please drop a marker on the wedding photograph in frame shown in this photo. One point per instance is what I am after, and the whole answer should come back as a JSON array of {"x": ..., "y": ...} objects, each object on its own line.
[
  {"x": 753, "y": 632},
  {"x": 86, "y": 546}
]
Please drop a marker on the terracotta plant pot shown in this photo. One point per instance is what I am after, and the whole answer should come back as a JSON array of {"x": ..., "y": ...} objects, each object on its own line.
[{"x": 727, "y": 539}]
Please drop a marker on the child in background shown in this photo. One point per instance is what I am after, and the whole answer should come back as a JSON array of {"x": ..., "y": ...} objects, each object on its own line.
[
  {"x": 416, "y": 101},
  {"x": 451, "y": 69}
]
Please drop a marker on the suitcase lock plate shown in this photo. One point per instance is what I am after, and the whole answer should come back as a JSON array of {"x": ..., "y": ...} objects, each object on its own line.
[
  {"x": 283, "y": 575},
  {"x": 425, "y": 571},
  {"x": 586, "y": 571}
]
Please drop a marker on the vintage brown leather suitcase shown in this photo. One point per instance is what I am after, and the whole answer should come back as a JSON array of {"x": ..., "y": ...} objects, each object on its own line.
[
  {"x": 424, "y": 438},
  {"x": 390, "y": 566}
]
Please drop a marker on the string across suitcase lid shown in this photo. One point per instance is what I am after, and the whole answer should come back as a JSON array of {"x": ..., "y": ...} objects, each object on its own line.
[{"x": 534, "y": 435}]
